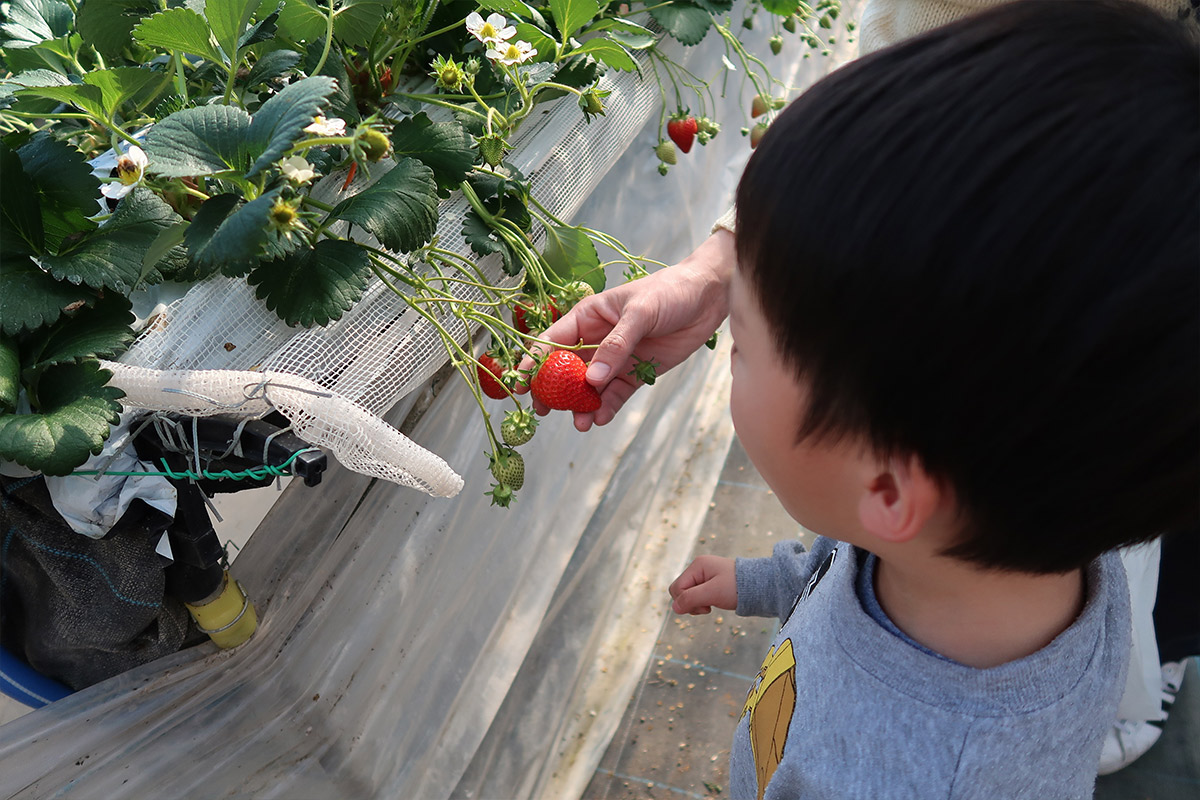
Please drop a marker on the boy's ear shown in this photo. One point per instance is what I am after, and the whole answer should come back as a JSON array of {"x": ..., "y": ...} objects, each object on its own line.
[{"x": 899, "y": 499}]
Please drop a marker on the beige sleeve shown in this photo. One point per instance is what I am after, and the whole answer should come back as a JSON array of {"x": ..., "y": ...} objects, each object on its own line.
[{"x": 728, "y": 221}]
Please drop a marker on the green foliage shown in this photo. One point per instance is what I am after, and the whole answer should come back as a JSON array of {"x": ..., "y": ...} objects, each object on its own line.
[
  {"x": 64, "y": 187},
  {"x": 444, "y": 147},
  {"x": 110, "y": 257},
  {"x": 31, "y": 298},
  {"x": 107, "y": 25},
  {"x": 21, "y": 227},
  {"x": 31, "y": 22},
  {"x": 102, "y": 330},
  {"x": 686, "y": 22},
  {"x": 10, "y": 375},
  {"x": 178, "y": 29},
  {"x": 73, "y": 409},
  {"x": 313, "y": 286},
  {"x": 208, "y": 140},
  {"x": 399, "y": 209},
  {"x": 281, "y": 120},
  {"x": 571, "y": 256},
  {"x": 238, "y": 240},
  {"x": 571, "y": 15}
]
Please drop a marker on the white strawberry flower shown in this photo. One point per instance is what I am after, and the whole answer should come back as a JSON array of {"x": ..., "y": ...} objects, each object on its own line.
[
  {"x": 493, "y": 30},
  {"x": 327, "y": 127},
  {"x": 511, "y": 53},
  {"x": 297, "y": 169},
  {"x": 131, "y": 168}
]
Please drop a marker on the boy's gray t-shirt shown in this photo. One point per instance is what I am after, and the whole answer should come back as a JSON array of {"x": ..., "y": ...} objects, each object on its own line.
[{"x": 843, "y": 708}]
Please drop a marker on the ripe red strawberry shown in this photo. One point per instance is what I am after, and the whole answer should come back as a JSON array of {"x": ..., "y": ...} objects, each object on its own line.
[
  {"x": 490, "y": 370},
  {"x": 560, "y": 383},
  {"x": 527, "y": 310},
  {"x": 682, "y": 128}
]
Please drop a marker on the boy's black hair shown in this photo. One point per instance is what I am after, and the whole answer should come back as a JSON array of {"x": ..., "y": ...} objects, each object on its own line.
[{"x": 982, "y": 248}]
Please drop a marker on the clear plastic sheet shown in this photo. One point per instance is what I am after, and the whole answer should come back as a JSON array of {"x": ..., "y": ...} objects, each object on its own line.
[{"x": 413, "y": 647}]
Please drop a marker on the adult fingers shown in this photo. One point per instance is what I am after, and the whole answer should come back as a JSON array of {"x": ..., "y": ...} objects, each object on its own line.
[{"x": 616, "y": 349}]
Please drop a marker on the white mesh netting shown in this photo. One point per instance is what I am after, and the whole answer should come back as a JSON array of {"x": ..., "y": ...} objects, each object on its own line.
[{"x": 358, "y": 367}]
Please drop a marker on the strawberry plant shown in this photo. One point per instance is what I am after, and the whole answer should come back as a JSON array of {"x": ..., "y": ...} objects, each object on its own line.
[{"x": 149, "y": 143}]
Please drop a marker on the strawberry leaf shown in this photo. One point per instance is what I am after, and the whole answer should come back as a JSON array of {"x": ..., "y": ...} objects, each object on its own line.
[
  {"x": 480, "y": 237},
  {"x": 31, "y": 22},
  {"x": 232, "y": 237},
  {"x": 111, "y": 256},
  {"x": 30, "y": 298},
  {"x": 571, "y": 15},
  {"x": 272, "y": 65},
  {"x": 199, "y": 141},
  {"x": 444, "y": 147},
  {"x": 687, "y": 23},
  {"x": 102, "y": 331},
  {"x": 357, "y": 20},
  {"x": 611, "y": 53},
  {"x": 571, "y": 255},
  {"x": 282, "y": 119},
  {"x": 20, "y": 215},
  {"x": 65, "y": 185},
  {"x": 313, "y": 286},
  {"x": 74, "y": 411},
  {"x": 10, "y": 375},
  {"x": 399, "y": 209},
  {"x": 228, "y": 20},
  {"x": 301, "y": 21},
  {"x": 177, "y": 29},
  {"x": 107, "y": 25}
]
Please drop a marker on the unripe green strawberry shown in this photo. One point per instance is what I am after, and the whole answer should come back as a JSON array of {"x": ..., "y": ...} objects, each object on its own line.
[
  {"x": 759, "y": 106},
  {"x": 508, "y": 468},
  {"x": 501, "y": 494},
  {"x": 662, "y": 168},
  {"x": 374, "y": 144},
  {"x": 518, "y": 427},
  {"x": 789, "y": 24},
  {"x": 666, "y": 152},
  {"x": 561, "y": 383},
  {"x": 776, "y": 44},
  {"x": 573, "y": 292},
  {"x": 491, "y": 147},
  {"x": 591, "y": 103}
]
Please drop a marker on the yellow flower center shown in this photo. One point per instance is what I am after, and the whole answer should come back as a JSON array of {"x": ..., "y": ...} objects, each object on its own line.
[
  {"x": 282, "y": 214},
  {"x": 512, "y": 52},
  {"x": 487, "y": 30},
  {"x": 128, "y": 171}
]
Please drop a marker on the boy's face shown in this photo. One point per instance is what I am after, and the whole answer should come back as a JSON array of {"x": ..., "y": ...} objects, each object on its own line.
[{"x": 816, "y": 482}]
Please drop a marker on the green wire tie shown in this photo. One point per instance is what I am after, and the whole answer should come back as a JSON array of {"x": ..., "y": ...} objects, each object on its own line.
[{"x": 255, "y": 473}]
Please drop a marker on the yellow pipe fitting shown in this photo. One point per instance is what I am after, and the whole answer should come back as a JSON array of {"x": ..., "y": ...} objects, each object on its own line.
[{"x": 229, "y": 617}]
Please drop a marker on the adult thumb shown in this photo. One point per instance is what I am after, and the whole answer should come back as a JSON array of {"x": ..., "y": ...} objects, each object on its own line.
[{"x": 616, "y": 349}]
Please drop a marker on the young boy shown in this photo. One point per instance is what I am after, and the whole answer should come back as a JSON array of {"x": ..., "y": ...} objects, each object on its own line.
[{"x": 966, "y": 318}]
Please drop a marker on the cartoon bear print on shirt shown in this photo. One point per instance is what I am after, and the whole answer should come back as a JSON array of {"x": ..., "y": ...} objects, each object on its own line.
[{"x": 771, "y": 701}]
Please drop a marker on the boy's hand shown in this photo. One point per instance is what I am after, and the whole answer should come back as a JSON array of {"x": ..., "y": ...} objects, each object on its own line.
[{"x": 708, "y": 581}]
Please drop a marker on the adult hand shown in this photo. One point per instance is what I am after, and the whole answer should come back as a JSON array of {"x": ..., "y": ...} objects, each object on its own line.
[
  {"x": 663, "y": 318},
  {"x": 708, "y": 581}
]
